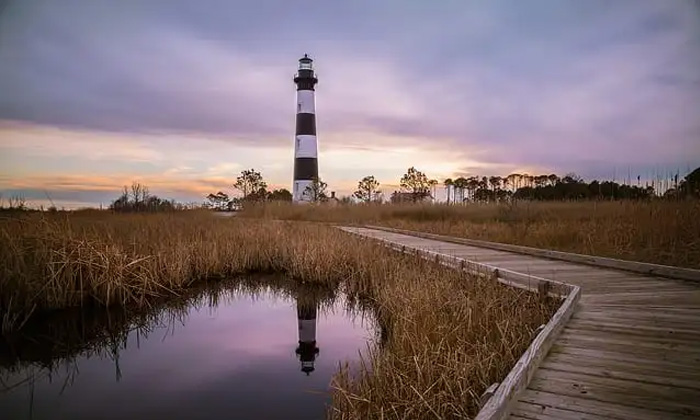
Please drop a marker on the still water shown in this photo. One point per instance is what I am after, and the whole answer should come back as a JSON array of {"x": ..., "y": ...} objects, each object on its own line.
[{"x": 238, "y": 352}]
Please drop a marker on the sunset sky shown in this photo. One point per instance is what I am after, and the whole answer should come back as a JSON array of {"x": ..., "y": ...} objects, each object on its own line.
[{"x": 183, "y": 95}]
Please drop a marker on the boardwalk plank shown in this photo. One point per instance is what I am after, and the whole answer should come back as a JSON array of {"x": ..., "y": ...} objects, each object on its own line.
[
  {"x": 631, "y": 393},
  {"x": 532, "y": 411},
  {"x": 624, "y": 372},
  {"x": 621, "y": 290},
  {"x": 648, "y": 317},
  {"x": 635, "y": 349},
  {"x": 653, "y": 367},
  {"x": 688, "y": 361},
  {"x": 548, "y": 400},
  {"x": 666, "y": 314},
  {"x": 667, "y": 331},
  {"x": 682, "y": 299},
  {"x": 589, "y": 338}
]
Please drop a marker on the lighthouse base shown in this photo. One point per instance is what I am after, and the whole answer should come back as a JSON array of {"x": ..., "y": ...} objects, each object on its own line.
[{"x": 298, "y": 189}]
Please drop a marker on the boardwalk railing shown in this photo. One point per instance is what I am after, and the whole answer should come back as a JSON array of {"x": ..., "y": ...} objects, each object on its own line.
[
  {"x": 496, "y": 407},
  {"x": 632, "y": 266}
]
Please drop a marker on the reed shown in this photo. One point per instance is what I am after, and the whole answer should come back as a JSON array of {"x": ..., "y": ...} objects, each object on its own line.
[
  {"x": 448, "y": 334},
  {"x": 661, "y": 232}
]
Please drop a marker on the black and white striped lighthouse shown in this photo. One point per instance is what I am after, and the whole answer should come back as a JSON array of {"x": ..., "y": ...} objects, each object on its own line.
[{"x": 305, "y": 145}]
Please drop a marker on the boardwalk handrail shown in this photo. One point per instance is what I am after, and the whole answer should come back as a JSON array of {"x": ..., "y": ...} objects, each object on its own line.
[
  {"x": 498, "y": 405},
  {"x": 633, "y": 266}
]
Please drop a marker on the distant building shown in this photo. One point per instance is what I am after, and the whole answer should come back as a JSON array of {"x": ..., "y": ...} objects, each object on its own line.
[{"x": 332, "y": 200}]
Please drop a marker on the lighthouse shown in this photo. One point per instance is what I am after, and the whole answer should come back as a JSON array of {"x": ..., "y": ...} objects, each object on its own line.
[
  {"x": 307, "y": 349},
  {"x": 305, "y": 144}
]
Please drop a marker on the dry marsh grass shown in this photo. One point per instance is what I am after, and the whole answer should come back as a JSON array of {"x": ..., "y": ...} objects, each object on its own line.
[
  {"x": 447, "y": 341},
  {"x": 449, "y": 335},
  {"x": 661, "y": 232},
  {"x": 63, "y": 261}
]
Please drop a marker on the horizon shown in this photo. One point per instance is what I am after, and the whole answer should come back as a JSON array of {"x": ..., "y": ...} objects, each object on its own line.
[{"x": 181, "y": 98}]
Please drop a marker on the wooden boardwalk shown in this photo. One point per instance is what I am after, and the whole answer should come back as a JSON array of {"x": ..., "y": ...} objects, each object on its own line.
[{"x": 631, "y": 349}]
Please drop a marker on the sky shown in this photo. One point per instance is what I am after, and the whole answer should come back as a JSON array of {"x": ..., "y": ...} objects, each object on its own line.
[{"x": 182, "y": 95}]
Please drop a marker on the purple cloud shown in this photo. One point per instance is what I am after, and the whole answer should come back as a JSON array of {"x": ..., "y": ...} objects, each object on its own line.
[{"x": 559, "y": 84}]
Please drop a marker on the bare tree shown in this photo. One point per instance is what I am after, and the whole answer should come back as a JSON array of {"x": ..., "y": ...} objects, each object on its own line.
[
  {"x": 416, "y": 183},
  {"x": 219, "y": 201},
  {"x": 495, "y": 182},
  {"x": 433, "y": 186},
  {"x": 137, "y": 198},
  {"x": 448, "y": 185},
  {"x": 472, "y": 185},
  {"x": 139, "y": 194},
  {"x": 250, "y": 181},
  {"x": 367, "y": 189},
  {"x": 460, "y": 185}
]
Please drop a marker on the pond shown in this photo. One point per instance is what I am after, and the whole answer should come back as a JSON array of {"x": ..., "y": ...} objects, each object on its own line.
[{"x": 249, "y": 349}]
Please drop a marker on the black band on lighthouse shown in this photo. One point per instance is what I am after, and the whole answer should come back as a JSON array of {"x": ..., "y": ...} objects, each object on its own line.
[
  {"x": 306, "y": 124},
  {"x": 305, "y": 169},
  {"x": 305, "y": 84}
]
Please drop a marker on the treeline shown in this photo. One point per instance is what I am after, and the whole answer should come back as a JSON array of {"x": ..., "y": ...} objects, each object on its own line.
[
  {"x": 416, "y": 186},
  {"x": 222, "y": 202},
  {"x": 253, "y": 188},
  {"x": 544, "y": 187},
  {"x": 578, "y": 190},
  {"x": 552, "y": 187},
  {"x": 139, "y": 199}
]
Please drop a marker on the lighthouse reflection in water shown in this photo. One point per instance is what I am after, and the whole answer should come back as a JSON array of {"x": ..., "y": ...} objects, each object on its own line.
[{"x": 307, "y": 349}]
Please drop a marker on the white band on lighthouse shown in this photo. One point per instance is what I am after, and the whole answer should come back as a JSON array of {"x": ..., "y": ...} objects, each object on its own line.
[
  {"x": 306, "y": 101},
  {"x": 305, "y": 146}
]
